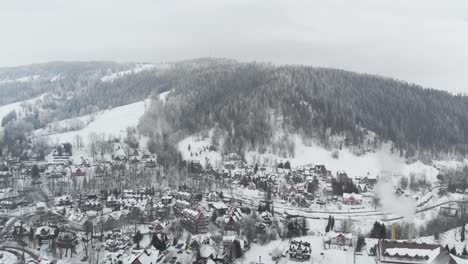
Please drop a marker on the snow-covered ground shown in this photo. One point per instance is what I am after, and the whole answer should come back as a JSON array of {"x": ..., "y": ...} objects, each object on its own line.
[
  {"x": 4, "y": 110},
  {"x": 8, "y": 258},
  {"x": 197, "y": 148},
  {"x": 138, "y": 68},
  {"x": 264, "y": 253},
  {"x": 372, "y": 163},
  {"x": 108, "y": 122},
  {"x": 22, "y": 79}
]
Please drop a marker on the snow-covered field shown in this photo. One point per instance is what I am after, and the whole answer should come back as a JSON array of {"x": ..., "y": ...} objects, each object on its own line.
[
  {"x": 108, "y": 122},
  {"x": 264, "y": 253},
  {"x": 4, "y": 110},
  {"x": 196, "y": 148},
  {"x": 372, "y": 163}
]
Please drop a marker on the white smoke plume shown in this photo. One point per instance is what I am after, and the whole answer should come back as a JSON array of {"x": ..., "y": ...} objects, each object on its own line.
[{"x": 391, "y": 203}]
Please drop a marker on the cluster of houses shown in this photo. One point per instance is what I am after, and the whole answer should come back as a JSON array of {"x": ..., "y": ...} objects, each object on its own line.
[{"x": 200, "y": 213}]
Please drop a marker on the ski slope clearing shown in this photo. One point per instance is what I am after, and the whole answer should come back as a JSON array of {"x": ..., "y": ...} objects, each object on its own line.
[
  {"x": 113, "y": 122},
  {"x": 197, "y": 148},
  {"x": 4, "y": 110},
  {"x": 371, "y": 163}
]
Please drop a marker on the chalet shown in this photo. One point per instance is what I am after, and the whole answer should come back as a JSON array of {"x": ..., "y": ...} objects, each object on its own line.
[
  {"x": 352, "y": 198},
  {"x": 46, "y": 232},
  {"x": 212, "y": 197},
  {"x": 362, "y": 188},
  {"x": 232, "y": 219},
  {"x": 166, "y": 200},
  {"x": 119, "y": 153},
  {"x": 195, "y": 222},
  {"x": 158, "y": 227},
  {"x": 229, "y": 240},
  {"x": 338, "y": 239},
  {"x": 106, "y": 222},
  {"x": 40, "y": 206},
  {"x": 151, "y": 161},
  {"x": 66, "y": 239},
  {"x": 77, "y": 171},
  {"x": 20, "y": 229},
  {"x": 61, "y": 154},
  {"x": 134, "y": 156},
  {"x": 180, "y": 205},
  {"x": 299, "y": 250},
  {"x": 80, "y": 221},
  {"x": 390, "y": 251},
  {"x": 369, "y": 179},
  {"x": 219, "y": 208}
]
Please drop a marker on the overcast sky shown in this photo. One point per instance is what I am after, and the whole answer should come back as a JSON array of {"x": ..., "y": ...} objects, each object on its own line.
[{"x": 422, "y": 41}]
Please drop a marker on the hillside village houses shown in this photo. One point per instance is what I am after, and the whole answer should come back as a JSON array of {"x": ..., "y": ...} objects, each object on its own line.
[{"x": 96, "y": 198}]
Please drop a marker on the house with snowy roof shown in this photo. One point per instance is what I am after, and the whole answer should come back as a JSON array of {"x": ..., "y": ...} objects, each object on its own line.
[
  {"x": 219, "y": 207},
  {"x": 147, "y": 256},
  {"x": 352, "y": 198},
  {"x": 299, "y": 250},
  {"x": 338, "y": 238},
  {"x": 395, "y": 252},
  {"x": 232, "y": 219},
  {"x": 195, "y": 221}
]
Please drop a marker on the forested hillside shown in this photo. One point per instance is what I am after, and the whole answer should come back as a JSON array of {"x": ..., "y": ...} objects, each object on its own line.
[
  {"x": 251, "y": 101},
  {"x": 248, "y": 103}
]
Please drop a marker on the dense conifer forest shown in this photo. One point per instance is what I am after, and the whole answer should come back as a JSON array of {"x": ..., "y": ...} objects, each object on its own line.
[{"x": 249, "y": 103}]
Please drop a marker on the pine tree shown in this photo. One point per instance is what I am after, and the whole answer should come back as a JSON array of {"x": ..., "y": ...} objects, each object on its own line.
[
  {"x": 462, "y": 235},
  {"x": 453, "y": 251},
  {"x": 137, "y": 238},
  {"x": 383, "y": 232},
  {"x": 327, "y": 229},
  {"x": 465, "y": 252},
  {"x": 375, "y": 232}
]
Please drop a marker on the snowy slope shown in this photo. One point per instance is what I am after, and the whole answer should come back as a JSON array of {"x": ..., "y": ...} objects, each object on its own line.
[
  {"x": 108, "y": 122},
  {"x": 370, "y": 163},
  {"x": 4, "y": 110},
  {"x": 199, "y": 150},
  {"x": 373, "y": 163},
  {"x": 21, "y": 80},
  {"x": 137, "y": 69}
]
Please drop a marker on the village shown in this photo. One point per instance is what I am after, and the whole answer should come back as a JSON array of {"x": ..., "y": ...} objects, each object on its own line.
[{"x": 132, "y": 210}]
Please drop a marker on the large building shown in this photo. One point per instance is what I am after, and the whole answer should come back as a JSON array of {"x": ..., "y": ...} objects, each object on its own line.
[
  {"x": 394, "y": 252},
  {"x": 195, "y": 222}
]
